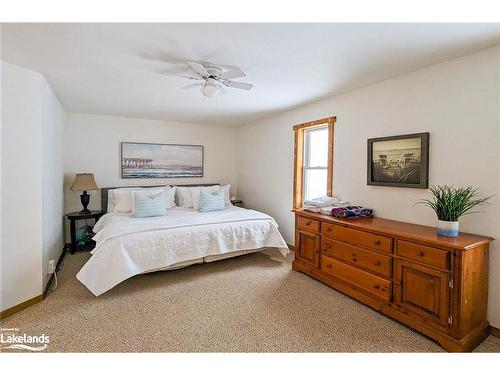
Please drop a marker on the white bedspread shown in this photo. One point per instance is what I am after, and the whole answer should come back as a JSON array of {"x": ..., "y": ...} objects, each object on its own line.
[{"x": 127, "y": 246}]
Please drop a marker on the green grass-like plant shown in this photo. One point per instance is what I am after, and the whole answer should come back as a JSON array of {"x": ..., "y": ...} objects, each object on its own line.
[{"x": 450, "y": 202}]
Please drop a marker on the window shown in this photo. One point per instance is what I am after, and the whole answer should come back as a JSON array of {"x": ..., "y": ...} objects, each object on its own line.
[{"x": 313, "y": 160}]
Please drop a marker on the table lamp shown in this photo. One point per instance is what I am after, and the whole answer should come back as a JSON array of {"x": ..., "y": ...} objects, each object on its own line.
[{"x": 84, "y": 182}]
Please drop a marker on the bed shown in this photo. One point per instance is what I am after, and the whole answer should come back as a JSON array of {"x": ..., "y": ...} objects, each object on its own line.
[{"x": 127, "y": 246}]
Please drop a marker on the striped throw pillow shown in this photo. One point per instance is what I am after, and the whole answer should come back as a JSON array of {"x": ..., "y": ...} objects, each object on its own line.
[
  {"x": 212, "y": 201},
  {"x": 148, "y": 205}
]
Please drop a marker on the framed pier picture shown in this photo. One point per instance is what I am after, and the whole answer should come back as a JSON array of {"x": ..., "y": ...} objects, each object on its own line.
[
  {"x": 152, "y": 160},
  {"x": 401, "y": 161}
]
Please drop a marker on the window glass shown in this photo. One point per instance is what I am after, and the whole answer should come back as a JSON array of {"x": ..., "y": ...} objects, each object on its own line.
[
  {"x": 315, "y": 183},
  {"x": 317, "y": 147},
  {"x": 315, "y": 162}
]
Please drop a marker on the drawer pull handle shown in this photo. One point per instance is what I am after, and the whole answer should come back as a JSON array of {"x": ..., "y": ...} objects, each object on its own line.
[
  {"x": 420, "y": 253},
  {"x": 328, "y": 266},
  {"x": 328, "y": 229},
  {"x": 377, "y": 263},
  {"x": 377, "y": 242},
  {"x": 327, "y": 246},
  {"x": 308, "y": 223},
  {"x": 376, "y": 287}
]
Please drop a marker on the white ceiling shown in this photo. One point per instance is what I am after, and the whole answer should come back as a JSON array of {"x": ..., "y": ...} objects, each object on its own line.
[{"x": 126, "y": 69}]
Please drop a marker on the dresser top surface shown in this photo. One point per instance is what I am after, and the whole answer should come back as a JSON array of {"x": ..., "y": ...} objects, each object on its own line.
[{"x": 404, "y": 230}]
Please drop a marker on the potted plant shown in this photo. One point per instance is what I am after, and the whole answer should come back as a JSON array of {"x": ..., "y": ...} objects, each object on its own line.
[{"x": 450, "y": 203}]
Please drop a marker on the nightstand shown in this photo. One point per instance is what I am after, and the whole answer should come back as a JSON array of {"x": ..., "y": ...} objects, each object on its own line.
[
  {"x": 237, "y": 203},
  {"x": 73, "y": 217}
]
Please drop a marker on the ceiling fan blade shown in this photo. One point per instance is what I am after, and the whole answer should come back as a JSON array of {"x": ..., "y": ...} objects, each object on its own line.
[
  {"x": 198, "y": 68},
  {"x": 192, "y": 86},
  {"x": 238, "y": 85},
  {"x": 231, "y": 74},
  {"x": 191, "y": 77}
]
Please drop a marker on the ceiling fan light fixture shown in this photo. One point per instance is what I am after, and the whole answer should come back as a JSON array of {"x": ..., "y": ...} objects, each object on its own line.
[
  {"x": 214, "y": 78},
  {"x": 210, "y": 90}
]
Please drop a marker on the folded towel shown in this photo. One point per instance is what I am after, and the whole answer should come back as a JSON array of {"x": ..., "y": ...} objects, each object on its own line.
[
  {"x": 352, "y": 212},
  {"x": 312, "y": 208},
  {"x": 328, "y": 210},
  {"x": 323, "y": 201},
  {"x": 325, "y": 210}
]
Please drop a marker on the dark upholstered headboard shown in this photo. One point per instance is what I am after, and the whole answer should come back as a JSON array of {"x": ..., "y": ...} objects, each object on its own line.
[{"x": 104, "y": 192}]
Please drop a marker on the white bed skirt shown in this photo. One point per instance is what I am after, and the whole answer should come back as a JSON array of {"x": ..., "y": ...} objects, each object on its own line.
[{"x": 209, "y": 259}]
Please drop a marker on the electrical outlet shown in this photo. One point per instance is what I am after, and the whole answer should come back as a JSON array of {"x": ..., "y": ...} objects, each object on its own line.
[{"x": 51, "y": 266}]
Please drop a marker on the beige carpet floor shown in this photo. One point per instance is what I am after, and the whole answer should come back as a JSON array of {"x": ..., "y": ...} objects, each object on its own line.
[{"x": 253, "y": 303}]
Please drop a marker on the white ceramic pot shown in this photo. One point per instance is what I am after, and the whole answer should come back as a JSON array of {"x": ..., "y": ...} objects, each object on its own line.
[{"x": 447, "y": 228}]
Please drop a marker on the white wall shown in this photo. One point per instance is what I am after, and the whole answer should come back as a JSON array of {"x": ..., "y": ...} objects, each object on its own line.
[
  {"x": 21, "y": 241},
  {"x": 92, "y": 144},
  {"x": 53, "y": 124},
  {"x": 31, "y": 195},
  {"x": 458, "y": 102}
]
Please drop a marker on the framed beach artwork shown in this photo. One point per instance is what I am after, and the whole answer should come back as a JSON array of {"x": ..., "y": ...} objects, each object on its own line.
[
  {"x": 152, "y": 160},
  {"x": 401, "y": 161}
]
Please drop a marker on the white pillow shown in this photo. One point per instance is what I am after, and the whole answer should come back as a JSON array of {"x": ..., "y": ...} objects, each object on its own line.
[
  {"x": 169, "y": 194},
  {"x": 183, "y": 196},
  {"x": 195, "y": 193},
  {"x": 111, "y": 204},
  {"x": 122, "y": 199},
  {"x": 227, "y": 199}
]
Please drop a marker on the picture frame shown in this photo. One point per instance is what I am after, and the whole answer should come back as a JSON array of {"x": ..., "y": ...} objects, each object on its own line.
[
  {"x": 399, "y": 161},
  {"x": 161, "y": 160}
]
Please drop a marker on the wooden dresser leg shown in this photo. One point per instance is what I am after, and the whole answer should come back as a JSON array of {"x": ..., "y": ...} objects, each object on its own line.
[{"x": 468, "y": 343}]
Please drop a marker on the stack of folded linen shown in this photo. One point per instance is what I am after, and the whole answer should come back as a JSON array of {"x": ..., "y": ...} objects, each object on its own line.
[
  {"x": 328, "y": 210},
  {"x": 324, "y": 204},
  {"x": 352, "y": 212}
]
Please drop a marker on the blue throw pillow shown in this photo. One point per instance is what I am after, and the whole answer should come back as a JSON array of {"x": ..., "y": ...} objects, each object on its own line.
[
  {"x": 212, "y": 201},
  {"x": 147, "y": 205}
]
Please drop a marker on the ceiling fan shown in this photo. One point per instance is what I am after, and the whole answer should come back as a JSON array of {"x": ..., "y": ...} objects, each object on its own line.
[{"x": 214, "y": 78}]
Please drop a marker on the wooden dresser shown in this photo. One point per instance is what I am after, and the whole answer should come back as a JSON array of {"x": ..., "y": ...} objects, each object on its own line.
[{"x": 436, "y": 285}]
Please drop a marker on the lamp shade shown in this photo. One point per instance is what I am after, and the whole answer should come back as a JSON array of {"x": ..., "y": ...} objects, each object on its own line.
[{"x": 84, "y": 181}]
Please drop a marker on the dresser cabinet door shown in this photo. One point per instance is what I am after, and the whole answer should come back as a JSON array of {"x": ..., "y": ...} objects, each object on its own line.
[
  {"x": 307, "y": 245},
  {"x": 423, "y": 291}
]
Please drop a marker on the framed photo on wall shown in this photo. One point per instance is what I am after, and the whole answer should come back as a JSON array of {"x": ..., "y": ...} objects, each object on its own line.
[
  {"x": 401, "y": 161},
  {"x": 153, "y": 160}
]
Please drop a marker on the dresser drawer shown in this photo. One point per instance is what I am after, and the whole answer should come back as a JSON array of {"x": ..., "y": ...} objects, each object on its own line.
[
  {"x": 306, "y": 223},
  {"x": 357, "y": 237},
  {"x": 424, "y": 254},
  {"x": 375, "y": 262},
  {"x": 373, "y": 284}
]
